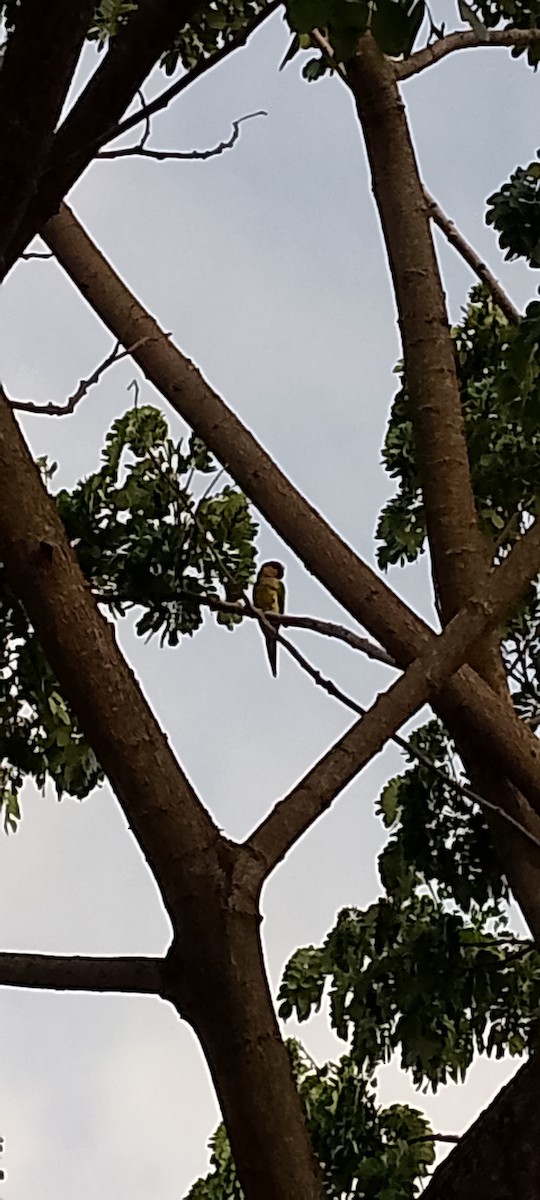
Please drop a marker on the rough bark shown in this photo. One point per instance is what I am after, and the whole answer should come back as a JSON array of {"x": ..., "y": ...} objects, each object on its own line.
[
  {"x": 499, "y": 1156},
  {"x": 40, "y": 59}
]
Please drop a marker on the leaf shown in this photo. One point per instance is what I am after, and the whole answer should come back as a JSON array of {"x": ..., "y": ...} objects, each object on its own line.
[{"x": 472, "y": 19}]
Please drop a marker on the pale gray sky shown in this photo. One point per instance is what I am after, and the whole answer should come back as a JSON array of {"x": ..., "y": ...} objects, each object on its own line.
[{"x": 267, "y": 266}]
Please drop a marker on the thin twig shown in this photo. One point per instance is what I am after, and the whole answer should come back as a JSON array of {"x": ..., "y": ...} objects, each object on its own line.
[
  {"x": 206, "y": 64},
  {"x": 52, "y": 409},
  {"x": 463, "y": 39},
  {"x": 143, "y": 151},
  {"x": 473, "y": 260}
]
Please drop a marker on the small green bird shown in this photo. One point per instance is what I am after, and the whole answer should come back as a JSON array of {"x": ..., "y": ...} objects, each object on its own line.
[{"x": 269, "y": 595}]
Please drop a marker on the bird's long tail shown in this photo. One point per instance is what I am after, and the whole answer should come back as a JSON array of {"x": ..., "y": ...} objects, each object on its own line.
[{"x": 271, "y": 650}]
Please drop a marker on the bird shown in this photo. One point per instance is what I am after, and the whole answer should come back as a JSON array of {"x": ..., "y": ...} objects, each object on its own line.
[{"x": 269, "y": 596}]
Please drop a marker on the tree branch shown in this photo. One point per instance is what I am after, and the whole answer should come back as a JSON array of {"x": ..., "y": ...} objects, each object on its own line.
[
  {"x": 41, "y": 56},
  {"x": 52, "y": 409},
  {"x": 160, "y": 804},
  {"x": 237, "y": 609},
  {"x": 468, "y": 702},
  {"x": 473, "y": 260},
  {"x": 162, "y": 155},
  {"x": 463, "y": 40},
  {"x": 74, "y": 973},
  {"x": 460, "y": 554},
  {"x": 458, "y": 549},
  {"x": 293, "y": 815}
]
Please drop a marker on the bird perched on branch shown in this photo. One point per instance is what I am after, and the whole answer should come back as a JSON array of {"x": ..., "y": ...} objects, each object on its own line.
[{"x": 269, "y": 595}]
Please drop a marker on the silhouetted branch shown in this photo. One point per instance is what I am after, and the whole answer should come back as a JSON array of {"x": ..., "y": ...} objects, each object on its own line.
[{"x": 144, "y": 151}]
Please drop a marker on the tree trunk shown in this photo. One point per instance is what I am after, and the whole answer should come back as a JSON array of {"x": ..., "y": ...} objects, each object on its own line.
[{"x": 218, "y": 982}]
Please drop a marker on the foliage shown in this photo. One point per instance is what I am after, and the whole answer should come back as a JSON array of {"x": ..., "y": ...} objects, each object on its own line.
[
  {"x": 514, "y": 211},
  {"x": 411, "y": 976},
  {"x": 360, "y": 1146},
  {"x": 499, "y": 373},
  {"x": 143, "y": 540}
]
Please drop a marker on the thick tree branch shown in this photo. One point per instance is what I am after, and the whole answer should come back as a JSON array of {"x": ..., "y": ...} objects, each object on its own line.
[
  {"x": 463, "y": 40},
  {"x": 468, "y": 702},
  {"x": 74, "y": 973},
  {"x": 473, "y": 260},
  {"x": 131, "y": 56},
  {"x": 40, "y": 59},
  {"x": 498, "y": 1158},
  {"x": 459, "y": 552},
  {"x": 421, "y": 682},
  {"x": 42, "y": 570}
]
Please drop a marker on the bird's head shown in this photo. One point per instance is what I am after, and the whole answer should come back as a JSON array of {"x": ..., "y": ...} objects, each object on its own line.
[{"x": 272, "y": 570}]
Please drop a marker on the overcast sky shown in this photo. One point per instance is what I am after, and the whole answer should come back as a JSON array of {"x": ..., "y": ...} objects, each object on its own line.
[{"x": 266, "y": 265}]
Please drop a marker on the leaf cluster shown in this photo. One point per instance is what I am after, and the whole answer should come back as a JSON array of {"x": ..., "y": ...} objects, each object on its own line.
[
  {"x": 410, "y": 976},
  {"x": 514, "y": 211},
  {"x": 439, "y": 836}
]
